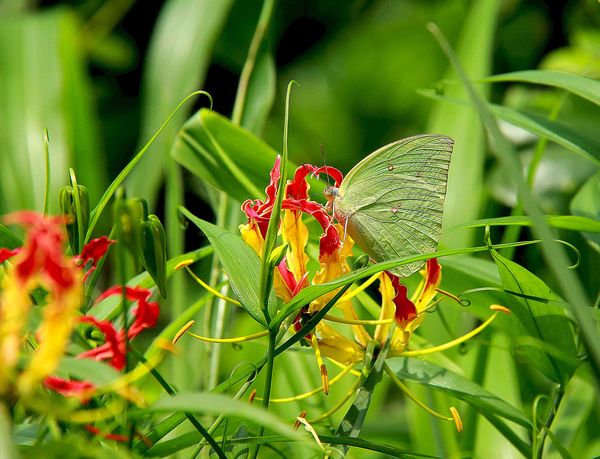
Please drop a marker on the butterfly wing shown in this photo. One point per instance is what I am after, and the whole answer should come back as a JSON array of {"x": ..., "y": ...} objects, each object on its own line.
[{"x": 393, "y": 200}]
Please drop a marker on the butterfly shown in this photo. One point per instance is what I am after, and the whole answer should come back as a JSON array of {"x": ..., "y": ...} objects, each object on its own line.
[{"x": 391, "y": 203}]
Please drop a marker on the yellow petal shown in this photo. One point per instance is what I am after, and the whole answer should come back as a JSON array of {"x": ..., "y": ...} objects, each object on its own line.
[
  {"x": 295, "y": 233},
  {"x": 336, "y": 346},
  {"x": 58, "y": 320},
  {"x": 251, "y": 236}
]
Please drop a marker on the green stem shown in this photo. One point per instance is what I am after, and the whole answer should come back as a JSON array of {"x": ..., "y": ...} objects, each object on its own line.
[
  {"x": 122, "y": 276},
  {"x": 469, "y": 436},
  {"x": 47, "y": 163},
  {"x": 79, "y": 215},
  {"x": 268, "y": 384},
  {"x": 242, "y": 390},
  {"x": 169, "y": 390},
  {"x": 104, "y": 21},
  {"x": 257, "y": 39},
  {"x": 216, "y": 312},
  {"x": 559, "y": 393}
]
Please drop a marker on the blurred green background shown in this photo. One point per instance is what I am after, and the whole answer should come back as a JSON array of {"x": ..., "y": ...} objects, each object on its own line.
[{"x": 103, "y": 75}]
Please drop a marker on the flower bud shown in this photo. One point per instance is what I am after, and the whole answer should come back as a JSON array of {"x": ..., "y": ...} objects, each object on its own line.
[
  {"x": 68, "y": 206},
  {"x": 153, "y": 250}
]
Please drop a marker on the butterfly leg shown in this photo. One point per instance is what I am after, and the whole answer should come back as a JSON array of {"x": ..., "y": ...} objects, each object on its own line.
[{"x": 345, "y": 235}]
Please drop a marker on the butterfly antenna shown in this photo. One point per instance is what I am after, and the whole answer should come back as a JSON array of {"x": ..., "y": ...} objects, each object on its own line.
[{"x": 325, "y": 164}]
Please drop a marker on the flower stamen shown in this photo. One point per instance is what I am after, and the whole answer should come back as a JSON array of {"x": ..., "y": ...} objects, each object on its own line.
[
  {"x": 208, "y": 288},
  {"x": 347, "y": 369},
  {"x": 348, "y": 296},
  {"x": 455, "y": 416},
  {"x": 341, "y": 320},
  {"x": 238, "y": 339},
  {"x": 324, "y": 377},
  {"x": 456, "y": 341}
]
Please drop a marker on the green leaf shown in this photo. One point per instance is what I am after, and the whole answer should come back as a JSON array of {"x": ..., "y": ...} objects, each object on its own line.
[
  {"x": 387, "y": 450},
  {"x": 8, "y": 240},
  {"x": 221, "y": 154},
  {"x": 371, "y": 374},
  {"x": 97, "y": 372},
  {"x": 439, "y": 378},
  {"x": 559, "y": 133},
  {"x": 554, "y": 255},
  {"x": 178, "y": 58},
  {"x": 312, "y": 292},
  {"x": 218, "y": 404},
  {"x": 583, "y": 87},
  {"x": 44, "y": 84},
  {"x": 544, "y": 322},
  {"x": 465, "y": 178},
  {"x": 261, "y": 92},
  {"x": 239, "y": 261},
  {"x": 587, "y": 205},
  {"x": 568, "y": 222}
]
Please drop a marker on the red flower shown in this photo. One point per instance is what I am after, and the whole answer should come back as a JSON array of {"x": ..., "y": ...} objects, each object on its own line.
[
  {"x": 42, "y": 251},
  {"x": 297, "y": 199},
  {"x": 92, "y": 252},
  {"x": 113, "y": 350}
]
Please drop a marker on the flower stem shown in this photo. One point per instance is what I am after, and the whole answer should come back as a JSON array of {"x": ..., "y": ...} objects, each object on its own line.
[
  {"x": 268, "y": 383},
  {"x": 559, "y": 392}
]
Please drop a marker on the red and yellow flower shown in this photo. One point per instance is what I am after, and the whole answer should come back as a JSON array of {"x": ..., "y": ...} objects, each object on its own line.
[
  {"x": 41, "y": 265},
  {"x": 399, "y": 316}
]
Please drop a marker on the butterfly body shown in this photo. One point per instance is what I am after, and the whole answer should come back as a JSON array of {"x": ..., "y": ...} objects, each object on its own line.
[{"x": 391, "y": 203}]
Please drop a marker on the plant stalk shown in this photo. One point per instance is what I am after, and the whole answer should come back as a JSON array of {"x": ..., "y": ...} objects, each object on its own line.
[{"x": 268, "y": 383}]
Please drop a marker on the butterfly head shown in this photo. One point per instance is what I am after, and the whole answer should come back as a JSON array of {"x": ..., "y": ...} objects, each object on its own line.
[{"x": 331, "y": 192}]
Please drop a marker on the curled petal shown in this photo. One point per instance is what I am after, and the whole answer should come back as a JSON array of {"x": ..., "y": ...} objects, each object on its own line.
[
  {"x": 70, "y": 388},
  {"x": 92, "y": 252},
  {"x": 298, "y": 187},
  {"x": 112, "y": 350},
  {"x": 406, "y": 311},
  {"x": 295, "y": 234},
  {"x": 258, "y": 211},
  {"x": 147, "y": 312},
  {"x": 252, "y": 235},
  {"x": 330, "y": 240},
  {"x": 42, "y": 251},
  {"x": 5, "y": 253},
  {"x": 433, "y": 278}
]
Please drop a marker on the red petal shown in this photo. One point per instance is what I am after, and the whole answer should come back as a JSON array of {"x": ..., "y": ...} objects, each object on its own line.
[
  {"x": 5, "y": 253},
  {"x": 334, "y": 173},
  {"x": 298, "y": 187},
  {"x": 42, "y": 251},
  {"x": 287, "y": 276},
  {"x": 109, "y": 436},
  {"x": 434, "y": 271},
  {"x": 405, "y": 309},
  {"x": 67, "y": 387},
  {"x": 114, "y": 347},
  {"x": 147, "y": 312},
  {"x": 93, "y": 251}
]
